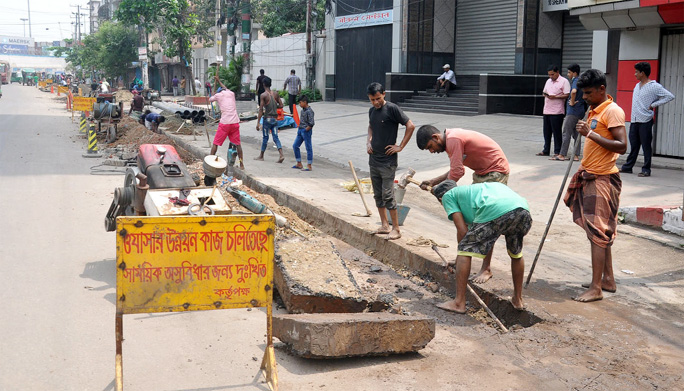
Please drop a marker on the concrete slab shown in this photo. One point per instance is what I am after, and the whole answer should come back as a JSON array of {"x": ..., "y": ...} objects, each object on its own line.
[
  {"x": 347, "y": 335},
  {"x": 311, "y": 277}
]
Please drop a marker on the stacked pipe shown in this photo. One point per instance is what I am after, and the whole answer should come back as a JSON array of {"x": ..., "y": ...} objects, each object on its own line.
[{"x": 197, "y": 116}]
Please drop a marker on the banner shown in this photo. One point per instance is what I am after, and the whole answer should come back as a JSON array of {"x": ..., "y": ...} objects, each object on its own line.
[{"x": 82, "y": 103}]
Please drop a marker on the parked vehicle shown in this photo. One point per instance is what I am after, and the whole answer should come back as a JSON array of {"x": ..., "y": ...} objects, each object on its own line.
[
  {"x": 4, "y": 71},
  {"x": 15, "y": 77}
]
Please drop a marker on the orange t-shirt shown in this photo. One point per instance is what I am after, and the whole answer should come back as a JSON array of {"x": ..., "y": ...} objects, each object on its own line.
[{"x": 598, "y": 160}]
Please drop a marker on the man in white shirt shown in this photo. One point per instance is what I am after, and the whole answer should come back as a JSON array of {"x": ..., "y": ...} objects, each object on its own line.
[
  {"x": 648, "y": 94},
  {"x": 104, "y": 87},
  {"x": 447, "y": 80}
]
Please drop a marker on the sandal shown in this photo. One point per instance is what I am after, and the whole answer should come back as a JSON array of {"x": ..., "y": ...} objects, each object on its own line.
[
  {"x": 560, "y": 159},
  {"x": 541, "y": 154}
]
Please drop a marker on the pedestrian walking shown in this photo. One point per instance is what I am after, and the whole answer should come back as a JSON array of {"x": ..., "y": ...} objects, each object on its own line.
[
  {"x": 648, "y": 94},
  {"x": 260, "y": 85},
  {"x": 574, "y": 111},
  {"x": 483, "y": 212},
  {"x": 182, "y": 85},
  {"x": 555, "y": 91},
  {"x": 229, "y": 124},
  {"x": 198, "y": 85},
  {"x": 593, "y": 194},
  {"x": 466, "y": 148},
  {"x": 293, "y": 85},
  {"x": 304, "y": 132},
  {"x": 207, "y": 85},
  {"x": 447, "y": 80},
  {"x": 174, "y": 85},
  {"x": 269, "y": 103},
  {"x": 383, "y": 125}
]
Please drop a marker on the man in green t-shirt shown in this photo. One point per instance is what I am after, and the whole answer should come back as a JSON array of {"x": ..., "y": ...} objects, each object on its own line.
[{"x": 481, "y": 213}]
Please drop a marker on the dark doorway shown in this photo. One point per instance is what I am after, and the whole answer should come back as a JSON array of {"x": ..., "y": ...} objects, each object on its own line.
[{"x": 363, "y": 55}]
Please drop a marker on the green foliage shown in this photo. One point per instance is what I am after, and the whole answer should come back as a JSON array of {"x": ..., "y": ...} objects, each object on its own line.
[
  {"x": 278, "y": 17},
  {"x": 313, "y": 95},
  {"x": 110, "y": 50},
  {"x": 230, "y": 76}
]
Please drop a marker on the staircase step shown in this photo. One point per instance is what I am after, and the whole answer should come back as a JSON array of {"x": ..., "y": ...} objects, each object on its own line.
[
  {"x": 440, "y": 111},
  {"x": 454, "y": 100}
]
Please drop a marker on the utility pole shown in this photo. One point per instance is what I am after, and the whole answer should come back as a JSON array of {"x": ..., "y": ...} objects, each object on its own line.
[
  {"x": 246, "y": 45},
  {"x": 28, "y": 2},
  {"x": 24, "y": 20},
  {"x": 307, "y": 63},
  {"x": 78, "y": 21}
]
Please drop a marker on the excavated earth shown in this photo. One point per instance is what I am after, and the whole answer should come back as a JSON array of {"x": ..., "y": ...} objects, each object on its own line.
[{"x": 560, "y": 350}]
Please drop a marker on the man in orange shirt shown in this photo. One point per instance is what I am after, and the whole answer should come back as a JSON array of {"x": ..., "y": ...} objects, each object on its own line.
[{"x": 593, "y": 195}]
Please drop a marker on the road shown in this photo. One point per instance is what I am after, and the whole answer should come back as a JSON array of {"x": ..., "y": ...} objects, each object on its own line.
[{"x": 59, "y": 287}]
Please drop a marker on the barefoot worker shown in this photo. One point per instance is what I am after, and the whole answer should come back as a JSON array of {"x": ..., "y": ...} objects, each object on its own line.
[
  {"x": 466, "y": 148},
  {"x": 383, "y": 125},
  {"x": 481, "y": 213},
  {"x": 269, "y": 103},
  {"x": 593, "y": 194}
]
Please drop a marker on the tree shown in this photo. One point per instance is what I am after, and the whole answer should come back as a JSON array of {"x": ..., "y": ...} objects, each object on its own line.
[
  {"x": 278, "y": 17},
  {"x": 109, "y": 51},
  {"x": 177, "y": 22}
]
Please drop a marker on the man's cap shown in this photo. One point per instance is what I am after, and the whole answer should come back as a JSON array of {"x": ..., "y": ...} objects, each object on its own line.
[
  {"x": 442, "y": 188},
  {"x": 446, "y": 66}
]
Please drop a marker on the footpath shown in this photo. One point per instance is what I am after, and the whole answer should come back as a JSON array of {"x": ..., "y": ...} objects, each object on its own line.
[{"x": 339, "y": 137}]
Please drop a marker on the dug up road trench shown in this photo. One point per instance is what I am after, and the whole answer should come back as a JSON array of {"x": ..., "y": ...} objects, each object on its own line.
[{"x": 556, "y": 344}]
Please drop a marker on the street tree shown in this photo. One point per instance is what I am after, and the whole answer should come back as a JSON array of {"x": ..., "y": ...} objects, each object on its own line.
[
  {"x": 278, "y": 17},
  {"x": 177, "y": 24}
]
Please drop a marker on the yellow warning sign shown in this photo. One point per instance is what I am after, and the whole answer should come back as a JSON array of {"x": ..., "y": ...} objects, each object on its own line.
[
  {"x": 82, "y": 103},
  {"x": 63, "y": 89},
  {"x": 194, "y": 263},
  {"x": 42, "y": 84},
  {"x": 48, "y": 81}
]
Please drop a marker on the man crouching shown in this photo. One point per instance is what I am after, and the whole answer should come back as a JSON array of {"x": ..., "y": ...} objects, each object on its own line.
[{"x": 481, "y": 213}]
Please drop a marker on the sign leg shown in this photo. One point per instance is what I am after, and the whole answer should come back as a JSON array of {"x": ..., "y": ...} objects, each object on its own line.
[
  {"x": 268, "y": 364},
  {"x": 119, "y": 357}
]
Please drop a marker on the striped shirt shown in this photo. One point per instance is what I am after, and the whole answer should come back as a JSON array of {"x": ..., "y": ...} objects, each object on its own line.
[
  {"x": 307, "y": 118},
  {"x": 293, "y": 83},
  {"x": 650, "y": 94}
]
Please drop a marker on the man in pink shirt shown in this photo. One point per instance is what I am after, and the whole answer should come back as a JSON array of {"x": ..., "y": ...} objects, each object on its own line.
[
  {"x": 229, "y": 124},
  {"x": 556, "y": 90},
  {"x": 466, "y": 148}
]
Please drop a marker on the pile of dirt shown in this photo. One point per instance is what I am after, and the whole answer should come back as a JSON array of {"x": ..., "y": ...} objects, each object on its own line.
[{"x": 123, "y": 96}]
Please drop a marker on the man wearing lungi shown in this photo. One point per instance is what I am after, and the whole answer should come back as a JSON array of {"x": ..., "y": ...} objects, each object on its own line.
[{"x": 593, "y": 195}]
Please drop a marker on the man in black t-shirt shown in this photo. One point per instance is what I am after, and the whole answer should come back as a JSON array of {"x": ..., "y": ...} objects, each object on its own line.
[
  {"x": 383, "y": 125},
  {"x": 260, "y": 85}
]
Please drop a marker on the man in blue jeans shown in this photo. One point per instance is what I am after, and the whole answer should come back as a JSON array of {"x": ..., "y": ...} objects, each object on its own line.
[
  {"x": 306, "y": 123},
  {"x": 269, "y": 103}
]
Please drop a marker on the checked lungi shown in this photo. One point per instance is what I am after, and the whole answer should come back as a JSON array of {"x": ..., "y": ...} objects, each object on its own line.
[{"x": 594, "y": 201}]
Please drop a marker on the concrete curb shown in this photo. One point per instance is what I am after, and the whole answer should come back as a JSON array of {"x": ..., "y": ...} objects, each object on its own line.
[{"x": 667, "y": 218}]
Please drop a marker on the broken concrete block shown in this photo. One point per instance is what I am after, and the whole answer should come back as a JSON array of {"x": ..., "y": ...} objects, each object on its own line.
[
  {"x": 311, "y": 277},
  {"x": 347, "y": 335}
]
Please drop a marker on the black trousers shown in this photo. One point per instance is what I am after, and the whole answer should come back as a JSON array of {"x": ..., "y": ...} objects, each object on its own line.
[
  {"x": 447, "y": 86},
  {"x": 640, "y": 136},
  {"x": 292, "y": 101},
  {"x": 553, "y": 126}
]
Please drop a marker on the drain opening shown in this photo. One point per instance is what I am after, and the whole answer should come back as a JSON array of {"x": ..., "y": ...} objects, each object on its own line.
[{"x": 503, "y": 309}]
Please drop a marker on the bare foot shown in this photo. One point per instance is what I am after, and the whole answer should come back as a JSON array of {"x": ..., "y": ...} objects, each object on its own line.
[
  {"x": 259, "y": 158},
  {"x": 481, "y": 277},
  {"x": 242, "y": 166},
  {"x": 394, "y": 235},
  {"x": 282, "y": 159},
  {"x": 517, "y": 303},
  {"x": 381, "y": 231},
  {"x": 605, "y": 286},
  {"x": 453, "y": 307},
  {"x": 589, "y": 295}
]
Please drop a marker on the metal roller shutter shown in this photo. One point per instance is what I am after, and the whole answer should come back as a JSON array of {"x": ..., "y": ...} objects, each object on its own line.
[
  {"x": 669, "y": 138},
  {"x": 577, "y": 44},
  {"x": 485, "y": 36}
]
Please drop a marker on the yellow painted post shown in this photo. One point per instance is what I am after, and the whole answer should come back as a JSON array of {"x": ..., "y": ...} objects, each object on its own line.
[
  {"x": 82, "y": 127},
  {"x": 92, "y": 143}
]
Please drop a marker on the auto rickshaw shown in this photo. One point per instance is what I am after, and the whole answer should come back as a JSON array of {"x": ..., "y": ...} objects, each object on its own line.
[{"x": 15, "y": 77}]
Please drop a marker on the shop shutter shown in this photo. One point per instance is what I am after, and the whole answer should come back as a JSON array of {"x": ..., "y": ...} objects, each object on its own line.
[
  {"x": 577, "y": 44},
  {"x": 669, "y": 136}
]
